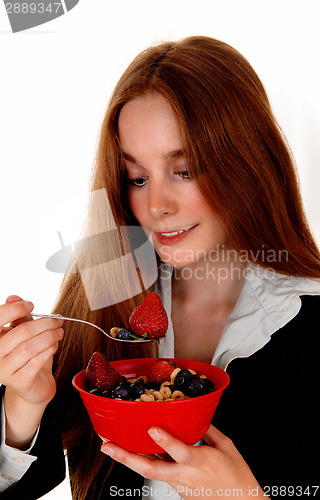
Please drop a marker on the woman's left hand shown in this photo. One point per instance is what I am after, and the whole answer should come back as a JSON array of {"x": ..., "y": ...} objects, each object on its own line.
[{"x": 214, "y": 470}]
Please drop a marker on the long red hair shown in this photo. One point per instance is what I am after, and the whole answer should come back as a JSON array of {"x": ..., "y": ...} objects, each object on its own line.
[{"x": 245, "y": 170}]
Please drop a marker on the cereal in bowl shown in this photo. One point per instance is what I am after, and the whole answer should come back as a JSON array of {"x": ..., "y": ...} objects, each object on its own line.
[{"x": 166, "y": 382}]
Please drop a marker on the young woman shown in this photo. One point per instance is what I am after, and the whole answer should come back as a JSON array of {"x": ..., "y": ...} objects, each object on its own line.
[{"x": 189, "y": 150}]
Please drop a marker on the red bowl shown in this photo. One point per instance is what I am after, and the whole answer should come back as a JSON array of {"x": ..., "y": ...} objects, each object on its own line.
[{"x": 126, "y": 422}]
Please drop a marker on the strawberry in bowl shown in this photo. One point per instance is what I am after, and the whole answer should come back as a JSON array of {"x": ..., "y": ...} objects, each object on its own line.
[{"x": 100, "y": 376}]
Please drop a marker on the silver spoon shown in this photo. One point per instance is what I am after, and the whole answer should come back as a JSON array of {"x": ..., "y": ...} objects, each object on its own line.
[{"x": 138, "y": 341}]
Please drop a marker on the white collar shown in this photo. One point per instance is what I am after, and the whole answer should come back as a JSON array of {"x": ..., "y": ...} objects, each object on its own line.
[{"x": 267, "y": 302}]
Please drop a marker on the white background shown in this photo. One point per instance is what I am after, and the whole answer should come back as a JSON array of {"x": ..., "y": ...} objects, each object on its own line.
[{"x": 54, "y": 87}]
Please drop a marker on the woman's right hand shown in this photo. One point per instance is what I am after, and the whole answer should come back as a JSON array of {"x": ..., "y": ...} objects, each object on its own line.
[{"x": 26, "y": 352}]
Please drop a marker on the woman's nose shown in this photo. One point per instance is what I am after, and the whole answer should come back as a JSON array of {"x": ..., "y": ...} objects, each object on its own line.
[{"x": 161, "y": 200}]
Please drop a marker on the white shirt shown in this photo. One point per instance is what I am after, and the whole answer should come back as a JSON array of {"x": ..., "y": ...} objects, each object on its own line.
[
  {"x": 13, "y": 462},
  {"x": 268, "y": 301}
]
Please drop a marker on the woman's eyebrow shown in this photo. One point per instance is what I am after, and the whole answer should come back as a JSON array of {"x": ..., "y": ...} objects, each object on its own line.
[
  {"x": 175, "y": 153},
  {"x": 128, "y": 158}
]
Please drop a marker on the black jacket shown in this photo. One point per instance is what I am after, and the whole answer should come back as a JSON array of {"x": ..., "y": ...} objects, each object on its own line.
[
  {"x": 45, "y": 472},
  {"x": 269, "y": 410}
]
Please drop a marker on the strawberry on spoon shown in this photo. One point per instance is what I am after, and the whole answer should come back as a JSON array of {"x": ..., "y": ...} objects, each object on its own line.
[{"x": 150, "y": 319}]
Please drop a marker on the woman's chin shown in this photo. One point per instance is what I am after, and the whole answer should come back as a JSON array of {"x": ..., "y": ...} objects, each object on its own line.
[{"x": 177, "y": 264}]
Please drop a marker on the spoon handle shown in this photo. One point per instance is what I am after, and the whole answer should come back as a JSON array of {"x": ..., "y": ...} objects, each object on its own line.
[{"x": 58, "y": 316}]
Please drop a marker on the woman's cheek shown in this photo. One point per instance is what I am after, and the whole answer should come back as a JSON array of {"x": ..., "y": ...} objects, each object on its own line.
[{"x": 135, "y": 206}]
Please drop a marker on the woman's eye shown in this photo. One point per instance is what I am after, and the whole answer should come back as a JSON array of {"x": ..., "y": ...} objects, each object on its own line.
[
  {"x": 138, "y": 182},
  {"x": 185, "y": 174}
]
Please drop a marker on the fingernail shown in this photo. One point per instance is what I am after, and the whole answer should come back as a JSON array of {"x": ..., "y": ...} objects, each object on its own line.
[
  {"x": 155, "y": 434},
  {"x": 107, "y": 450},
  {"x": 13, "y": 298},
  {"x": 61, "y": 321},
  {"x": 28, "y": 305}
]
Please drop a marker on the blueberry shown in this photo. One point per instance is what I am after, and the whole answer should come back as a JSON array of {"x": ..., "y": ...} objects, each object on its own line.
[
  {"x": 173, "y": 388},
  {"x": 96, "y": 392},
  {"x": 107, "y": 393},
  {"x": 122, "y": 392},
  {"x": 182, "y": 377},
  {"x": 137, "y": 388},
  {"x": 153, "y": 385},
  {"x": 208, "y": 385},
  {"x": 194, "y": 386},
  {"x": 124, "y": 334},
  {"x": 124, "y": 381}
]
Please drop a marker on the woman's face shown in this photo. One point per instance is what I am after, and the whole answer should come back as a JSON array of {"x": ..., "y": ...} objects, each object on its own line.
[{"x": 162, "y": 195}]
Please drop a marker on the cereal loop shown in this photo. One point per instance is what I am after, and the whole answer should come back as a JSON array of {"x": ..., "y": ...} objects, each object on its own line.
[
  {"x": 165, "y": 384},
  {"x": 150, "y": 391},
  {"x": 158, "y": 396},
  {"x": 113, "y": 331},
  {"x": 177, "y": 395},
  {"x": 166, "y": 392},
  {"x": 147, "y": 397},
  {"x": 174, "y": 374}
]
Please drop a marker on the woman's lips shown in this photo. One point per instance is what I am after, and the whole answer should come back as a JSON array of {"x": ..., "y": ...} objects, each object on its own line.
[{"x": 167, "y": 240}]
